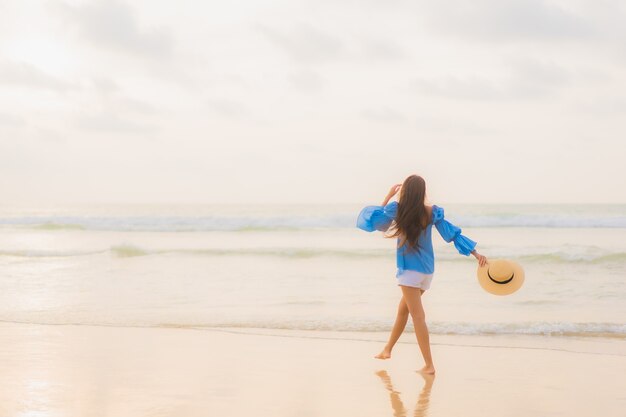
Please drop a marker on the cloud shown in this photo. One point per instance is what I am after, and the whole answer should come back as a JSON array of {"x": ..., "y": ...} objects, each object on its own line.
[
  {"x": 382, "y": 49},
  {"x": 112, "y": 24},
  {"x": 228, "y": 108},
  {"x": 528, "y": 79},
  {"x": 383, "y": 114},
  {"x": 105, "y": 85},
  {"x": 24, "y": 74},
  {"x": 306, "y": 44},
  {"x": 309, "y": 45},
  {"x": 306, "y": 81},
  {"x": 9, "y": 120},
  {"x": 498, "y": 20},
  {"x": 112, "y": 111},
  {"x": 111, "y": 96},
  {"x": 111, "y": 123},
  {"x": 452, "y": 126},
  {"x": 535, "y": 78},
  {"x": 472, "y": 87}
]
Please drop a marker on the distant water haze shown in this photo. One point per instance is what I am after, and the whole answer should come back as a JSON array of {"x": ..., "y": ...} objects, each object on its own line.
[{"x": 232, "y": 217}]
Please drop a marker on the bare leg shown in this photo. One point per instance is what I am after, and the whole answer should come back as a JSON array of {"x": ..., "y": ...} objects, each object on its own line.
[
  {"x": 398, "y": 327},
  {"x": 413, "y": 298}
]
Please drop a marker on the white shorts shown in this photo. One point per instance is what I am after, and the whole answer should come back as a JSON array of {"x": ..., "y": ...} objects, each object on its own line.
[{"x": 415, "y": 279}]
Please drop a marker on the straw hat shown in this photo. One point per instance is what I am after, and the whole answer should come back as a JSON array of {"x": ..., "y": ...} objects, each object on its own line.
[{"x": 501, "y": 276}]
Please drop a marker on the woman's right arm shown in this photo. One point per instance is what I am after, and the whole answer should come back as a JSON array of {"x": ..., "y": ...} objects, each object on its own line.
[
  {"x": 379, "y": 217},
  {"x": 393, "y": 191}
]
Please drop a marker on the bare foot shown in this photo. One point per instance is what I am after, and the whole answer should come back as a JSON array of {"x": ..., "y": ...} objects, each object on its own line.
[
  {"x": 428, "y": 369},
  {"x": 385, "y": 354}
]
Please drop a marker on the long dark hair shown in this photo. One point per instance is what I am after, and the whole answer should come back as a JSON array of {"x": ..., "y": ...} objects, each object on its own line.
[{"x": 412, "y": 217}]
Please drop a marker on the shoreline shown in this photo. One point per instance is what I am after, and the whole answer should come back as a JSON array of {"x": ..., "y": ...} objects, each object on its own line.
[
  {"x": 606, "y": 342},
  {"x": 76, "y": 370}
]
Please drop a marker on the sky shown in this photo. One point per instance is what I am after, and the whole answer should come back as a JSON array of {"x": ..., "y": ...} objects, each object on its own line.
[{"x": 311, "y": 101}]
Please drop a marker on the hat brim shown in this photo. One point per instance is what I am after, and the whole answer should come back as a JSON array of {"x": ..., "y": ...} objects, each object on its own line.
[{"x": 501, "y": 289}]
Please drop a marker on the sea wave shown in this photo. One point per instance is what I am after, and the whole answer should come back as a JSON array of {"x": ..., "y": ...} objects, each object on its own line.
[
  {"x": 58, "y": 226},
  {"x": 31, "y": 253},
  {"x": 560, "y": 329},
  {"x": 578, "y": 255},
  {"x": 127, "y": 251},
  {"x": 542, "y": 221},
  {"x": 563, "y": 257},
  {"x": 244, "y": 224},
  {"x": 612, "y": 330},
  {"x": 293, "y": 222}
]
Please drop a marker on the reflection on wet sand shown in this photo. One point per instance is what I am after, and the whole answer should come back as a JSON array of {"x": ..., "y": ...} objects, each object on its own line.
[{"x": 421, "y": 408}]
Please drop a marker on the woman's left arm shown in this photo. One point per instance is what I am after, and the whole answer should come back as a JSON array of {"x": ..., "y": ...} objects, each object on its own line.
[
  {"x": 451, "y": 233},
  {"x": 482, "y": 259}
]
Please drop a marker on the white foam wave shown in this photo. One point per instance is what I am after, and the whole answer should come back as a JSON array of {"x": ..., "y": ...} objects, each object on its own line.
[
  {"x": 574, "y": 255},
  {"x": 561, "y": 329},
  {"x": 285, "y": 220},
  {"x": 612, "y": 330}
]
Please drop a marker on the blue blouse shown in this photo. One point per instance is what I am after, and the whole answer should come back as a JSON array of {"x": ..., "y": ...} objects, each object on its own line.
[{"x": 423, "y": 260}]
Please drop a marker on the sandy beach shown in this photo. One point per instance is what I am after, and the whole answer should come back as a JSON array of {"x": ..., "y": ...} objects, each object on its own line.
[{"x": 66, "y": 370}]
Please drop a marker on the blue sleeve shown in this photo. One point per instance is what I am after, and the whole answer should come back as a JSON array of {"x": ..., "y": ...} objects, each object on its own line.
[
  {"x": 377, "y": 217},
  {"x": 452, "y": 233}
]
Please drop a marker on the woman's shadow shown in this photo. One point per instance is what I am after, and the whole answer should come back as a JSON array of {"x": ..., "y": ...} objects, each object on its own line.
[{"x": 421, "y": 408}]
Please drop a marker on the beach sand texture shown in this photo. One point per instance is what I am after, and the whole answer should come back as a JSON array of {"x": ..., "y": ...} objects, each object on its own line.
[{"x": 110, "y": 371}]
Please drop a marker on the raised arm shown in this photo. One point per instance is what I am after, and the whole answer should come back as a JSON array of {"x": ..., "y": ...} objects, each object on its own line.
[
  {"x": 379, "y": 217},
  {"x": 393, "y": 191}
]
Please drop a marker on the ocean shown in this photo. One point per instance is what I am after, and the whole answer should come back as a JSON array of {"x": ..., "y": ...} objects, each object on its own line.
[{"x": 306, "y": 267}]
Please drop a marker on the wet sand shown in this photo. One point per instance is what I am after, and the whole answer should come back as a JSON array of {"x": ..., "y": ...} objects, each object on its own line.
[{"x": 66, "y": 370}]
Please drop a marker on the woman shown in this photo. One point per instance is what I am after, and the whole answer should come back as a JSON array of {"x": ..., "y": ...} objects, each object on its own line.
[{"x": 410, "y": 220}]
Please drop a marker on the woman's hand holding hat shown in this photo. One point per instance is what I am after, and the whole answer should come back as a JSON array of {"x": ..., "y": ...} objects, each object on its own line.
[{"x": 482, "y": 259}]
